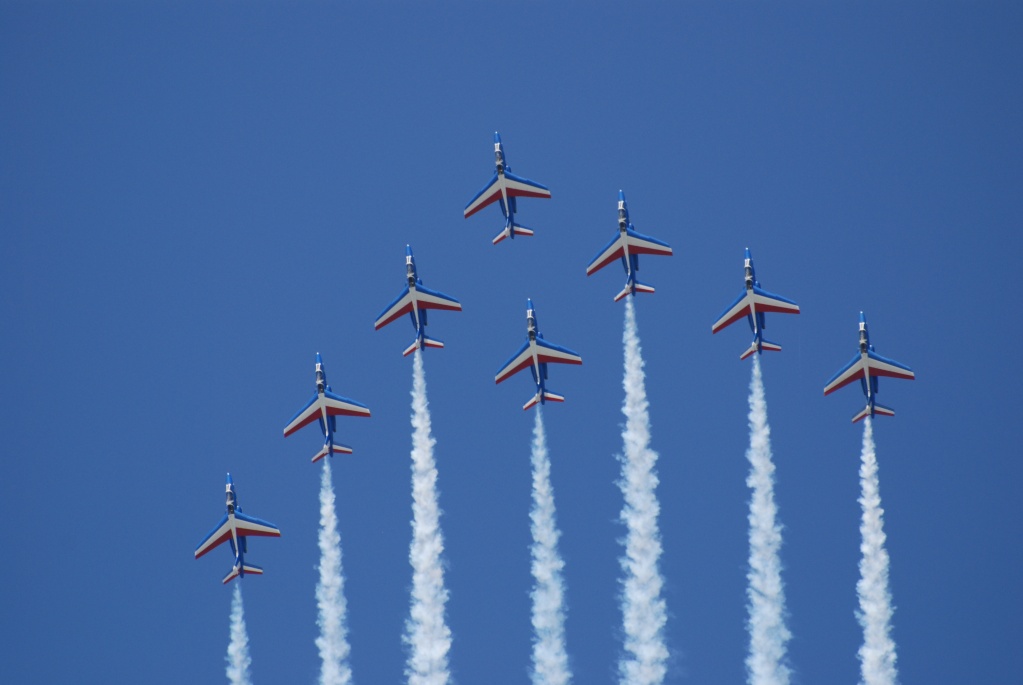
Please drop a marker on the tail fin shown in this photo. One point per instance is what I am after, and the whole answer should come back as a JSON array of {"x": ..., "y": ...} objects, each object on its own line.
[
  {"x": 764, "y": 345},
  {"x": 338, "y": 449},
  {"x": 878, "y": 409},
  {"x": 633, "y": 288},
  {"x": 237, "y": 570},
  {"x": 548, "y": 396}
]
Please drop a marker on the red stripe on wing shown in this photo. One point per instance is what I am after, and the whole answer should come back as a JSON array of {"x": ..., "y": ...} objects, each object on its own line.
[
  {"x": 486, "y": 203},
  {"x": 309, "y": 419},
  {"x": 396, "y": 315},
  {"x": 524, "y": 364},
  {"x": 855, "y": 377}
]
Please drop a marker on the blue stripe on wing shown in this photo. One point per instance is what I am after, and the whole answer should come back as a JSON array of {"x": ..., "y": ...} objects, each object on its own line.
[
  {"x": 852, "y": 362},
  {"x": 395, "y": 301},
  {"x": 435, "y": 293},
  {"x": 640, "y": 236},
  {"x": 484, "y": 190},
  {"x": 540, "y": 342},
  {"x": 518, "y": 179},
  {"x": 242, "y": 530},
  {"x": 884, "y": 360},
  {"x": 512, "y": 358},
  {"x": 303, "y": 409},
  {"x": 600, "y": 254},
  {"x": 772, "y": 296},
  {"x": 216, "y": 529},
  {"x": 740, "y": 298},
  {"x": 335, "y": 396}
]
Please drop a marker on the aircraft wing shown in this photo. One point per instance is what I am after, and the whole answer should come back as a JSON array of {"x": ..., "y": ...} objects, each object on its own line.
[
  {"x": 306, "y": 415},
  {"x": 551, "y": 353},
  {"x": 402, "y": 305},
  {"x": 250, "y": 525},
  {"x": 880, "y": 366},
  {"x": 490, "y": 193},
  {"x": 638, "y": 244},
  {"x": 522, "y": 359},
  {"x": 431, "y": 299},
  {"x": 736, "y": 311},
  {"x": 852, "y": 371},
  {"x": 613, "y": 251},
  {"x": 516, "y": 186},
  {"x": 342, "y": 406},
  {"x": 215, "y": 537},
  {"x": 335, "y": 404},
  {"x": 769, "y": 302},
  {"x": 644, "y": 244}
]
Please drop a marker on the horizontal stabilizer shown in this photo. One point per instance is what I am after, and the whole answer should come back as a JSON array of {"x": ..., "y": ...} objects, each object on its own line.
[
  {"x": 878, "y": 409},
  {"x": 428, "y": 342},
  {"x": 507, "y": 231},
  {"x": 338, "y": 449},
  {"x": 522, "y": 230},
  {"x": 633, "y": 288},
  {"x": 547, "y": 397},
  {"x": 236, "y": 571},
  {"x": 764, "y": 345}
]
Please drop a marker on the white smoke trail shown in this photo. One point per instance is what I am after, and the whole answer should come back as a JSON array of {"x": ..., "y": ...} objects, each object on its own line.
[
  {"x": 877, "y": 655},
  {"x": 238, "y": 659},
  {"x": 765, "y": 664},
  {"x": 330, "y": 596},
  {"x": 643, "y": 608},
  {"x": 550, "y": 662},
  {"x": 426, "y": 631}
]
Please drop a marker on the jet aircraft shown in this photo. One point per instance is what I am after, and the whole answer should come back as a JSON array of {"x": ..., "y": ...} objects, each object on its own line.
[
  {"x": 234, "y": 528},
  {"x": 504, "y": 187},
  {"x": 536, "y": 354},
  {"x": 628, "y": 246},
  {"x": 414, "y": 300},
  {"x": 867, "y": 366},
  {"x": 753, "y": 303},
  {"x": 325, "y": 406}
]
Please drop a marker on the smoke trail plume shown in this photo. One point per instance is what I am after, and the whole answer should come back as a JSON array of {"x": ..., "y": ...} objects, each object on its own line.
[
  {"x": 642, "y": 606},
  {"x": 238, "y": 659},
  {"x": 426, "y": 631},
  {"x": 330, "y": 596},
  {"x": 550, "y": 662},
  {"x": 765, "y": 664},
  {"x": 877, "y": 655}
]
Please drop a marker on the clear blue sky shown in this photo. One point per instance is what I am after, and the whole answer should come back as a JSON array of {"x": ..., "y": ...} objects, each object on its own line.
[{"x": 197, "y": 197}]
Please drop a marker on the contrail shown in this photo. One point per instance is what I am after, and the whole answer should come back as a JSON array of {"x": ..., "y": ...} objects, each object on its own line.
[
  {"x": 643, "y": 608},
  {"x": 550, "y": 662},
  {"x": 238, "y": 659},
  {"x": 877, "y": 655},
  {"x": 330, "y": 596},
  {"x": 765, "y": 664},
  {"x": 426, "y": 631}
]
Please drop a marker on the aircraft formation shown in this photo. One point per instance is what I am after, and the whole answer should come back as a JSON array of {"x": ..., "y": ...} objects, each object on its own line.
[{"x": 415, "y": 299}]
